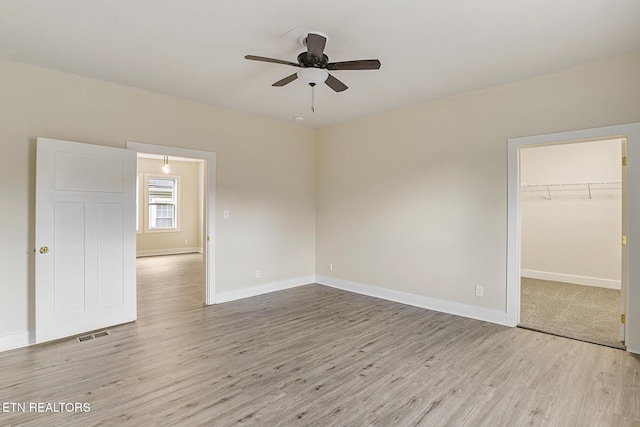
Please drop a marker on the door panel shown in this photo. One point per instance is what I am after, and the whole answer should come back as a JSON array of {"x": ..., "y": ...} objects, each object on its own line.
[
  {"x": 85, "y": 218},
  {"x": 88, "y": 172},
  {"x": 68, "y": 248},
  {"x": 110, "y": 272}
]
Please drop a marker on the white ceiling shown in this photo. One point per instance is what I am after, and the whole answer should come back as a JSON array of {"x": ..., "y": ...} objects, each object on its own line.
[{"x": 429, "y": 49}]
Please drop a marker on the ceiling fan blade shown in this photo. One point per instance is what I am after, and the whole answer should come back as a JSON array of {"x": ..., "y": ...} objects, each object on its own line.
[
  {"x": 286, "y": 80},
  {"x": 335, "y": 84},
  {"x": 272, "y": 60},
  {"x": 362, "y": 64},
  {"x": 315, "y": 44}
]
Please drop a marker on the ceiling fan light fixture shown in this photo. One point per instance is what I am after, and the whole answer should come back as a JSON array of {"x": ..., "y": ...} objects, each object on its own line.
[{"x": 313, "y": 76}]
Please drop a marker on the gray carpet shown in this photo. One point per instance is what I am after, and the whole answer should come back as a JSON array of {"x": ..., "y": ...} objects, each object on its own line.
[{"x": 581, "y": 312}]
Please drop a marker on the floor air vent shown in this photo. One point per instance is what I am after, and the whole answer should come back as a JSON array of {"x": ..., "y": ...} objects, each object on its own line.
[{"x": 90, "y": 337}]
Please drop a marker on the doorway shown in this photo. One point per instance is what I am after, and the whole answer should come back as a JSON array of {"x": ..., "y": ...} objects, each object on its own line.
[
  {"x": 170, "y": 194},
  {"x": 571, "y": 223},
  {"x": 630, "y": 294},
  {"x": 207, "y": 210}
]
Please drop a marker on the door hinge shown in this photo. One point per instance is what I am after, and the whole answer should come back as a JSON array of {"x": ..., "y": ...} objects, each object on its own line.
[
  {"x": 624, "y": 240},
  {"x": 623, "y": 318},
  {"x": 624, "y": 161}
]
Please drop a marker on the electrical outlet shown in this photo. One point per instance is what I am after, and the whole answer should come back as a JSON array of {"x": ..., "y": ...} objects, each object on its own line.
[
  {"x": 479, "y": 290},
  {"x": 330, "y": 267},
  {"x": 225, "y": 214},
  {"x": 257, "y": 274}
]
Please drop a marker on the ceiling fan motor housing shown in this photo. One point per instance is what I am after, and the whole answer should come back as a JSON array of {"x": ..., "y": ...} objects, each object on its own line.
[{"x": 307, "y": 60}]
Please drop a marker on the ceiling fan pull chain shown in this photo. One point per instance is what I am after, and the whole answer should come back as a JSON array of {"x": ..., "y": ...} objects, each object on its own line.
[{"x": 313, "y": 98}]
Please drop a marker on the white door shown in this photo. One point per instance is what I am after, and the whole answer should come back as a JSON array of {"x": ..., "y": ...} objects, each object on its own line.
[{"x": 85, "y": 238}]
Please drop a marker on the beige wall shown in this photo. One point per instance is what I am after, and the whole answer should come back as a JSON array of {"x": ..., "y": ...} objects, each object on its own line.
[
  {"x": 572, "y": 237},
  {"x": 188, "y": 237},
  {"x": 265, "y": 175},
  {"x": 415, "y": 200}
]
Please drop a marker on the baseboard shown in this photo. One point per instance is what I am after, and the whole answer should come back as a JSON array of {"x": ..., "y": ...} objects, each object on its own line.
[
  {"x": 455, "y": 308},
  {"x": 21, "y": 339},
  {"x": 168, "y": 251},
  {"x": 569, "y": 278},
  {"x": 263, "y": 289},
  {"x": 632, "y": 350}
]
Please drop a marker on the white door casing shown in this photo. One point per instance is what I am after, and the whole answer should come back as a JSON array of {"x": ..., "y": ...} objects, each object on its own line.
[
  {"x": 85, "y": 238},
  {"x": 624, "y": 250}
]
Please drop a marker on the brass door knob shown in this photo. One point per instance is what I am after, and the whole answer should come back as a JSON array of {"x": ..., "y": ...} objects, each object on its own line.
[{"x": 44, "y": 250}]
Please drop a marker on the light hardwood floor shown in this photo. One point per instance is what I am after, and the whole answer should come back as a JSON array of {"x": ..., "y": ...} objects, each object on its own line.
[{"x": 316, "y": 356}]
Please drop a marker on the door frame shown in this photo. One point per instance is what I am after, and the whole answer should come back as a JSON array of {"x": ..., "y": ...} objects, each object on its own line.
[
  {"x": 209, "y": 204},
  {"x": 631, "y": 271}
]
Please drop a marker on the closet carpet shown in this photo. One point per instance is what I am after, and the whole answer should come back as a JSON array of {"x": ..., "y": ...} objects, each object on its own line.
[{"x": 585, "y": 313}]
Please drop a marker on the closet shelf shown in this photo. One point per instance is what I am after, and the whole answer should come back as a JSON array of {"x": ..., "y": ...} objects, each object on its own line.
[{"x": 589, "y": 186}]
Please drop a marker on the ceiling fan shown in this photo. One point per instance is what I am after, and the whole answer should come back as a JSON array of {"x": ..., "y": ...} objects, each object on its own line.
[{"x": 315, "y": 64}]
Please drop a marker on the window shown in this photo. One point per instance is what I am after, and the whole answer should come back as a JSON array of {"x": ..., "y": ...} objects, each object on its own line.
[{"x": 162, "y": 203}]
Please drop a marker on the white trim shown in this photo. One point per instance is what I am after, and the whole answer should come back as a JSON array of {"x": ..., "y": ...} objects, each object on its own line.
[
  {"x": 443, "y": 306},
  {"x": 264, "y": 289},
  {"x": 168, "y": 251},
  {"x": 21, "y": 339},
  {"x": 570, "y": 278},
  {"x": 631, "y": 132},
  {"x": 209, "y": 208}
]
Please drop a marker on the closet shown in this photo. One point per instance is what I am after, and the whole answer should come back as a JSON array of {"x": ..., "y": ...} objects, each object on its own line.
[{"x": 571, "y": 222}]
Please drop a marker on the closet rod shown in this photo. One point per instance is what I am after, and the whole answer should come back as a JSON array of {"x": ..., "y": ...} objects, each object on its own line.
[{"x": 575, "y": 184}]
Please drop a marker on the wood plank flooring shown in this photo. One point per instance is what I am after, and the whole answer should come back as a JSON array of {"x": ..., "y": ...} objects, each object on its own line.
[{"x": 315, "y": 356}]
